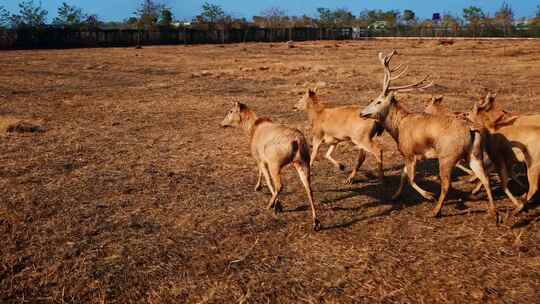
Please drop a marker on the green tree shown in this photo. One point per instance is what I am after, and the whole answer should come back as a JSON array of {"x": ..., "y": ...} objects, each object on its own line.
[
  {"x": 4, "y": 17},
  {"x": 325, "y": 17},
  {"x": 30, "y": 15},
  {"x": 343, "y": 18},
  {"x": 370, "y": 16},
  {"x": 92, "y": 21},
  {"x": 409, "y": 16},
  {"x": 335, "y": 18},
  {"x": 69, "y": 15},
  {"x": 211, "y": 13},
  {"x": 148, "y": 13},
  {"x": 474, "y": 16},
  {"x": 166, "y": 18}
]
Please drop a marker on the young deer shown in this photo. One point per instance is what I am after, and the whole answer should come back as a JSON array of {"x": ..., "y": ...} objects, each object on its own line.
[
  {"x": 421, "y": 136},
  {"x": 274, "y": 146},
  {"x": 435, "y": 107},
  {"x": 335, "y": 125},
  {"x": 505, "y": 131}
]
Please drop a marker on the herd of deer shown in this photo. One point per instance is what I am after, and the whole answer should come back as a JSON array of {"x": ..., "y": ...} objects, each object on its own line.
[{"x": 487, "y": 139}]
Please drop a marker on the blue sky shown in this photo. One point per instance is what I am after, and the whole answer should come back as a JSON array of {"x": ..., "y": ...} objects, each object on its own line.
[{"x": 186, "y": 9}]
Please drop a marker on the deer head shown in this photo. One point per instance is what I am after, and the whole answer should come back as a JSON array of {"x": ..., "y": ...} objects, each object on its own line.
[
  {"x": 487, "y": 113},
  {"x": 433, "y": 106},
  {"x": 307, "y": 97},
  {"x": 234, "y": 115},
  {"x": 379, "y": 106}
]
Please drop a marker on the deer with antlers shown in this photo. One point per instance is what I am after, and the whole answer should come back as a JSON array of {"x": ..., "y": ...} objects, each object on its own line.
[
  {"x": 274, "y": 146},
  {"x": 508, "y": 132},
  {"x": 334, "y": 125},
  {"x": 421, "y": 136}
]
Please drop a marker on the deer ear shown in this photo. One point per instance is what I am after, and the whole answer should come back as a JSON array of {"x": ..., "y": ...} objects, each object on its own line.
[
  {"x": 438, "y": 98},
  {"x": 312, "y": 93},
  {"x": 505, "y": 120}
]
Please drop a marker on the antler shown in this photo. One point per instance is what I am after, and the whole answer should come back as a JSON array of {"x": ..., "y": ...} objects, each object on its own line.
[{"x": 388, "y": 78}]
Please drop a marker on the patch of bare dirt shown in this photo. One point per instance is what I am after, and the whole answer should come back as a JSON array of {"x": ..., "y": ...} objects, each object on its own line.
[{"x": 135, "y": 194}]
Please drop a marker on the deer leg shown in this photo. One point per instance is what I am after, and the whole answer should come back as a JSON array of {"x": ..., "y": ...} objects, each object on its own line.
[
  {"x": 316, "y": 144},
  {"x": 328, "y": 156},
  {"x": 445, "y": 173},
  {"x": 374, "y": 149},
  {"x": 264, "y": 168},
  {"x": 533, "y": 175},
  {"x": 476, "y": 164},
  {"x": 515, "y": 177},
  {"x": 305, "y": 177},
  {"x": 359, "y": 162},
  {"x": 259, "y": 178},
  {"x": 478, "y": 187},
  {"x": 402, "y": 181},
  {"x": 503, "y": 173},
  {"x": 466, "y": 170},
  {"x": 411, "y": 171},
  {"x": 274, "y": 170}
]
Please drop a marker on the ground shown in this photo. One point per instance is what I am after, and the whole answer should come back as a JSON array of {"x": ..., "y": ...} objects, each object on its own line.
[{"x": 127, "y": 189}]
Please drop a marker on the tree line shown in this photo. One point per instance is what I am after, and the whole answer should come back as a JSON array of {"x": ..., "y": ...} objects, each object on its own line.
[{"x": 155, "y": 14}]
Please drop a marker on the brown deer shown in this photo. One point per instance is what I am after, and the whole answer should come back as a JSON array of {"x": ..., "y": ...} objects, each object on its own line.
[
  {"x": 274, "y": 146},
  {"x": 435, "y": 107},
  {"x": 420, "y": 136},
  {"x": 334, "y": 125},
  {"x": 507, "y": 130}
]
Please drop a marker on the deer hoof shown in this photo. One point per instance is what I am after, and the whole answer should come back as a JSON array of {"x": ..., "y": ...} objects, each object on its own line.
[
  {"x": 278, "y": 208},
  {"x": 316, "y": 225},
  {"x": 518, "y": 209},
  {"x": 494, "y": 214},
  {"x": 429, "y": 196},
  {"x": 436, "y": 213},
  {"x": 349, "y": 181}
]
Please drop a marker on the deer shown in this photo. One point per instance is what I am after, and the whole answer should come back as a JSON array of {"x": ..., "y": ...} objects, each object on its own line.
[
  {"x": 421, "y": 136},
  {"x": 340, "y": 124},
  {"x": 435, "y": 107},
  {"x": 507, "y": 130},
  {"x": 274, "y": 146}
]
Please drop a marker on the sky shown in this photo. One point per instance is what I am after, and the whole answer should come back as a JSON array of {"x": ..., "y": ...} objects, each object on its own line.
[{"x": 186, "y": 9}]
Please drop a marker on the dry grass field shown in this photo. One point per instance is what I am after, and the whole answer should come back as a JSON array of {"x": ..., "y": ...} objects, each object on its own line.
[{"x": 117, "y": 184}]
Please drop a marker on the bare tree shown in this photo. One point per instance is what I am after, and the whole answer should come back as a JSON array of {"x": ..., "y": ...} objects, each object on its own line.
[
  {"x": 276, "y": 18},
  {"x": 504, "y": 17}
]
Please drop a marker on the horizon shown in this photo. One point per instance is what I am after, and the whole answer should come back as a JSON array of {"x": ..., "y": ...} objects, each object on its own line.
[{"x": 118, "y": 10}]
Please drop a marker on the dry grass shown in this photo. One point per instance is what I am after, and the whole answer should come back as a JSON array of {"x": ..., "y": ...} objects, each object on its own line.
[{"x": 134, "y": 194}]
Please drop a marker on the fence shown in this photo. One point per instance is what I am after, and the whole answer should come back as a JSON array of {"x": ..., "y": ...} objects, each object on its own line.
[{"x": 71, "y": 38}]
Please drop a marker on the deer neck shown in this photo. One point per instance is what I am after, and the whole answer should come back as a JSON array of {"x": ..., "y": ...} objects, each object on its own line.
[
  {"x": 314, "y": 109},
  {"x": 393, "y": 119},
  {"x": 248, "y": 121}
]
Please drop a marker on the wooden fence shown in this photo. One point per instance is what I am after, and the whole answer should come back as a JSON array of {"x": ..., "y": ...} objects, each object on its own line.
[{"x": 75, "y": 38}]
